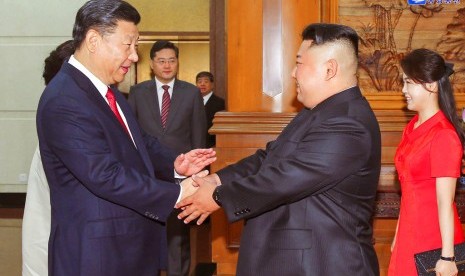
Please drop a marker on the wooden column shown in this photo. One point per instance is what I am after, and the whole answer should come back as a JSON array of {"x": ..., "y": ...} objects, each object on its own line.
[{"x": 246, "y": 33}]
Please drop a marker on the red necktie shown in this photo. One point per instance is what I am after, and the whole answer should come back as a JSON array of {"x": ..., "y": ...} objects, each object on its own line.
[
  {"x": 112, "y": 102},
  {"x": 165, "y": 105}
]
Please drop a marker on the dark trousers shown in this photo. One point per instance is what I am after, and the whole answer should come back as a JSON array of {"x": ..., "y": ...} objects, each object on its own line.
[{"x": 179, "y": 247}]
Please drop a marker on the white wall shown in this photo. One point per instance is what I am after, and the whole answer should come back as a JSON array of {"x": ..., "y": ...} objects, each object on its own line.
[{"x": 29, "y": 30}]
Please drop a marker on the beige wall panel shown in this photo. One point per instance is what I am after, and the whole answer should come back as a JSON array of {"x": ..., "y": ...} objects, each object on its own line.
[
  {"x": 173, "y": 15},
  {"x": 44, "y": 18},
  {"x": 29, "y": 30},
  {"x": 17, "y": 145},
  {"x": 194, "y": 57}
]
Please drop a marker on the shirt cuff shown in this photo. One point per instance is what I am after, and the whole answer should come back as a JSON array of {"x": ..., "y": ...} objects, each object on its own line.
[
  {"x": 176, "y": 175},
  {"x": 178, "y": 181}
]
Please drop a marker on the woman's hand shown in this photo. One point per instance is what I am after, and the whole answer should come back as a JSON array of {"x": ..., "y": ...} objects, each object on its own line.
[{"x": 446, "y": 268}]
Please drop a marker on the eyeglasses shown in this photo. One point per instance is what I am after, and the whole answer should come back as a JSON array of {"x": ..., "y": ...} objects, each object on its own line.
[{"x": 170, "y": 61}]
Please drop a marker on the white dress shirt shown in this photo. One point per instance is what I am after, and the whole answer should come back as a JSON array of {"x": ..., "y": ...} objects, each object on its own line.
[{"x": 160, "y": 90}]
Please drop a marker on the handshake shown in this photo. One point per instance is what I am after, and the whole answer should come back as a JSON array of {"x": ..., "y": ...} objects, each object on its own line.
[
  {"x": 197, "y": 190},
  {"x": 197, "y": 197}
]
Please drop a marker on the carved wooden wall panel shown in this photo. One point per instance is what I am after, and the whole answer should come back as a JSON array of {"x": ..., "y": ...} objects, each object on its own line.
[{"x": 389, "y": 29}]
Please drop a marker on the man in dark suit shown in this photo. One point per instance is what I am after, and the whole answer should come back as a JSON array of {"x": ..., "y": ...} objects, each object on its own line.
[
  {"x": 182, "y": 128},
  {"x": 111, "y": 187},
  {"x": 308, "y": 197},
  {"x": 205, "y": 82}
]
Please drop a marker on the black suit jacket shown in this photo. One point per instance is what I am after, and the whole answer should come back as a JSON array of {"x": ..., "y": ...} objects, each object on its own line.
[
  {"x": 213, "y": 105},
  {"x": 186, "y": 124},
  {"x": 108, "y": 208},
  {"x": 308, "y": 197}
]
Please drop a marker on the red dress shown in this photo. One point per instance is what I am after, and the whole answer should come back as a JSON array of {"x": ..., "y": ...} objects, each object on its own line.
[{"x": 431, "y": 150}]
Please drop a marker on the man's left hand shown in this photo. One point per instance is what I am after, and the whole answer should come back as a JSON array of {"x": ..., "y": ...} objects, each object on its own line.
[
  {"x": 200, "y": 204},
  {"x": 194, "y": 161}
]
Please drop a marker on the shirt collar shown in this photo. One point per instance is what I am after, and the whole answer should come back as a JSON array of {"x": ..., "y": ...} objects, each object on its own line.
[
  {"x": 207, "y": 97},
  {"x": 160, "y": 84},
  {"x": 101, "y": 87}
]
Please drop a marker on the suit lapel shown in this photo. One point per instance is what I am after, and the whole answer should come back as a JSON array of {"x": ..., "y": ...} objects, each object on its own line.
[
  {"x": 94, "y": 95},
  {"x": 135, "y": 130}
]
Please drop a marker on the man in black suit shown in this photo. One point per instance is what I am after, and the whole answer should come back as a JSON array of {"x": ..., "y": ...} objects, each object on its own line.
[
  {"x": 182, "y": 129},
  {"x": 308, "y": 197},
  {"x": 205, "y": 82}
]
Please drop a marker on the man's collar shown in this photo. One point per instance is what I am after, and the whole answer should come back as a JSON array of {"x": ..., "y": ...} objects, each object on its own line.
[{"x": 160, "y": 84}]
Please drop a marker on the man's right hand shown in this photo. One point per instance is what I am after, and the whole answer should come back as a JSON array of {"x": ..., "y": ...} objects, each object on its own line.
[
  {"x": 189, "y": 186},
  {"x": 201, "y": 204}
]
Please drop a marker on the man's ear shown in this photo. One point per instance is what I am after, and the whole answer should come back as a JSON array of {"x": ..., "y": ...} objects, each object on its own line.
[
  {"x": 432, "y": 86},
  {"x": 331, "y": 69},
  {"x": 92, "y": 40}
]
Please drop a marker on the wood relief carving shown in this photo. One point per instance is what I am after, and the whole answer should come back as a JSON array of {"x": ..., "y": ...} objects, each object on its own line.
[
  {"x": 389, "y": 29},
  {"x": 452, "y": 45}
]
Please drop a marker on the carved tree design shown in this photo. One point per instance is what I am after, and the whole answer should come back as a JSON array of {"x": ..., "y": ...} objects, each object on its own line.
[
  {"x": 378, "y": 54},
  {"x": 425, "y": 11},
  {"x": 452, "y": 46}
]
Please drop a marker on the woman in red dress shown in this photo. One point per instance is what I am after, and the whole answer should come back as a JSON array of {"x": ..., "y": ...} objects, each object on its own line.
[{"x": 428, "y": 162}]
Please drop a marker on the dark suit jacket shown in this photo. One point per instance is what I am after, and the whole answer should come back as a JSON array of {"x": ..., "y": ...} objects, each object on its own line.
[
  {"x": 308, "y": 197},
  {"x": 185, "y": 127},
  {"x": 213, "y": 105},
  {"x": 107, "y": 205}
]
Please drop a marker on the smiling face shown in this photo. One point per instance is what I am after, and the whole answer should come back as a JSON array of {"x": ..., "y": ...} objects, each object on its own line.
[
  {"x": 164, "y": 65},
  {"x": 115, "y": 52},
  {"x": 419, "y": 96},
  {"x": 309, "y": 74}
]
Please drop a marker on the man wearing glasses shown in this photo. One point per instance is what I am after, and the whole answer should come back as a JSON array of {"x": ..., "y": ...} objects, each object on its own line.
[{"x": 171, "y": 110}]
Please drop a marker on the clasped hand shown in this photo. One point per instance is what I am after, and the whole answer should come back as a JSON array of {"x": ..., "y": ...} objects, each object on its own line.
[{"x": 200, "y": 204}]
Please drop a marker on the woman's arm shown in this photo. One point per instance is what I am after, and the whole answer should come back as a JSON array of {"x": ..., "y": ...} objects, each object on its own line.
[
  {"x": 445, "y": 192},
  {"x": 395, "y": 235}
]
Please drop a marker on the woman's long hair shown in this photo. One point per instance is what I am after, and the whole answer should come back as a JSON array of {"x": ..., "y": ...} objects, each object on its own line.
[{"x": 426, "y": 66}]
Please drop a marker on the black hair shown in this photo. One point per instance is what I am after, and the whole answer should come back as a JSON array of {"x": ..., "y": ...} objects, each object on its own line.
[
  {"x": 102, "y": 16},
  {"x": 53, "y": 62},
  {"x": 321, "y": 33},
  {"x": 426, "y": 66},
  {"x": 204, "y": 74},
  {"x": 163, "y": 44}
]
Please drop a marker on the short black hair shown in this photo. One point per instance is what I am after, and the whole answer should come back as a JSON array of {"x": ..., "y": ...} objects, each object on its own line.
[
  {"x": 204, "y": 74},
  {"x": 103, "y": 16},
  {"x": 321, "y": 33},
  {"x": 163, "y": 44},
  {"x": 53, "y": 62}
]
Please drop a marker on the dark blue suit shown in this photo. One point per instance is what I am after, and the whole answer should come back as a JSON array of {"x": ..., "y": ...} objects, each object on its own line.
[{"x": 109, "y": 198}]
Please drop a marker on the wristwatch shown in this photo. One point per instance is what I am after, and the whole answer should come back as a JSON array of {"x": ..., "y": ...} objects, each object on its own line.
[
  {"x": 216, "y": 196},
  {"x": 450, "y": 259}
]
